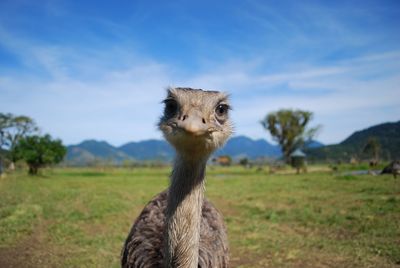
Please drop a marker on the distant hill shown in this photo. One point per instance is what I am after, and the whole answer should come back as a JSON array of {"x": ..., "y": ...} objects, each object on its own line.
[
  {"x": 388, "y": 135},
  {"x": 313, "y": 144},
  {"x": 148, "y": 150},
  {"x": 242, "y": 146},
  {"x": 90, "y": 151}
]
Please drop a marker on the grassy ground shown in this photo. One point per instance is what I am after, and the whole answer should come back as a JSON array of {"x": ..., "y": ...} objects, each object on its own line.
[{"x": 80, "y": 217}]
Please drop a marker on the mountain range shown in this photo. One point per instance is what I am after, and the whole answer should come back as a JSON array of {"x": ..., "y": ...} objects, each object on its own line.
[
  {"x": 387, "y": 135},
  {"x": 91, "y": 151}
]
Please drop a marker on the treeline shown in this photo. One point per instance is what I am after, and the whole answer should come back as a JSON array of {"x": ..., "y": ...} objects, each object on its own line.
[{"x": 20, "y": 140}]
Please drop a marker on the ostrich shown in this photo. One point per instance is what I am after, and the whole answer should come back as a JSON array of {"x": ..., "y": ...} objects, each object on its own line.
[
  {"x": 392, "y": 168},
  {"x": 179, "y": 227}
]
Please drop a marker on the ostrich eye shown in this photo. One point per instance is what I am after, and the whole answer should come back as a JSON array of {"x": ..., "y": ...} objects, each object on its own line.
[
  {"x": 171, "y": 107},
  {"x": 221, "y": 110}
]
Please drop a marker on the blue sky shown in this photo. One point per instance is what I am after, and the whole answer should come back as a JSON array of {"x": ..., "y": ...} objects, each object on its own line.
[{"x": 99, "y": 69}]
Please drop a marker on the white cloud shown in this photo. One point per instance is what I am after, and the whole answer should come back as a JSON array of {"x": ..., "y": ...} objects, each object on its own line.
[
  {"x": 84, "y": 97},
  {"x": 114, "y": 94},
  {"x": 358, "y": 93},
  {"x": 116, "y": 110}
]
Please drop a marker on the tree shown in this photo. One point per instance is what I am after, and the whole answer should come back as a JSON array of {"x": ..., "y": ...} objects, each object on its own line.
[
  {"x": 12, "y": 129},
  {"x": 5, "y": 123},
  {"x": 244, "y": 162},
  {"x": 39, "y": 151},
  {"x": 372, "y": 147},
  {"x": 288, "y": 128}
]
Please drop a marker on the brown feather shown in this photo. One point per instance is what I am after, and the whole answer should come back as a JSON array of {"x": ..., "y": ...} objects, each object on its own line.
[{"x": 144, "y": 244}]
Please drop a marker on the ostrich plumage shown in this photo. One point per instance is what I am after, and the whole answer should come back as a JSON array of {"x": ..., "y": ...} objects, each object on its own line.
[
  {"x": 179, "y": 227},
  {"x": 144, "y": 245}
]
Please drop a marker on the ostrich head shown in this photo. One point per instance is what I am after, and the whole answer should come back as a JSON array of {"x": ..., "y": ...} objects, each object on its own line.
[{"x": 196, "y": 122}]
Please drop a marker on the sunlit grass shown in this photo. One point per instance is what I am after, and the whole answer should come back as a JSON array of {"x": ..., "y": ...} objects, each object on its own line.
[{"x": 80, "y": 217}]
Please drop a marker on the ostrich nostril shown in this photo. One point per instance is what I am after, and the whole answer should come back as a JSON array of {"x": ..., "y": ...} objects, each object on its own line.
[
  {"x": 184, "y": 117},
  {"x": 204, "y": 121}
]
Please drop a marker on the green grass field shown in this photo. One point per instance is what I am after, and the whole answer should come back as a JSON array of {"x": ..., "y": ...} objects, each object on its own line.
[{"x": 80, "y": 217}]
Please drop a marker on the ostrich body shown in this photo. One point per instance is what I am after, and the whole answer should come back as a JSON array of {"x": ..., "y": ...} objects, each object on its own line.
[{"x": 180, "y": 227}]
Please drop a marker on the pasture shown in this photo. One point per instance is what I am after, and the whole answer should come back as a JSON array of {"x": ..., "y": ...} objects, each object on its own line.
[{"x": 70, "y": 217}]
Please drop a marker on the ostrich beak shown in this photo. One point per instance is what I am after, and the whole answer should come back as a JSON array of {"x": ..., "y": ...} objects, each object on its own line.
[{"x": 193, "y": 124}]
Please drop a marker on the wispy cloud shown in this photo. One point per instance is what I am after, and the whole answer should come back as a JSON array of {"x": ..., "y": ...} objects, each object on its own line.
[
  {"x": 358, "y": 92},
  {"x": 108, "y": 84},
  {"x": 122, "y": 104},
  {"x": 80, "y": 97}
]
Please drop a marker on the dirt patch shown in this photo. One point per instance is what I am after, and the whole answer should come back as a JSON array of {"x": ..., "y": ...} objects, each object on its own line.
[
  {"x": 242, "y": 259},
  {"x": 32, "y": 251}
]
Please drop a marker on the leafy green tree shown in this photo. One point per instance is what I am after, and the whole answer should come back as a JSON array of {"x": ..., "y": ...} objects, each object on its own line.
[
  {"x": 40, "y": 151},
  {"x": 289, "y": 128},
  {"x": 12, "y": 129}
]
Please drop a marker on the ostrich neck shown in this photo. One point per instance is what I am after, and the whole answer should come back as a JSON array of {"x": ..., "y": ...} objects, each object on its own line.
[{"x": 183, "y": 215}]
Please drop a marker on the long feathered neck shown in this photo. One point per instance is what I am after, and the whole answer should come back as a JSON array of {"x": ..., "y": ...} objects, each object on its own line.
[{"x": 183, "y": 215}]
